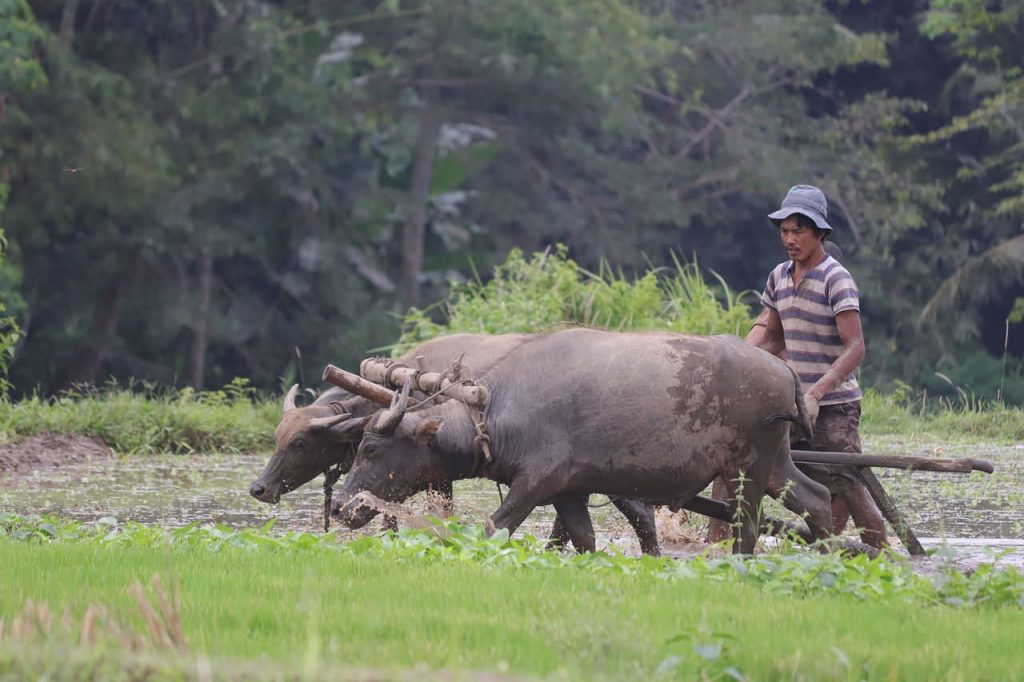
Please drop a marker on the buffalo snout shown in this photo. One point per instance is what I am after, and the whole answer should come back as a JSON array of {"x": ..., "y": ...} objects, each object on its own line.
[
  {"x": 354, "y": 512},
  {"x": 264, "y": 494}
]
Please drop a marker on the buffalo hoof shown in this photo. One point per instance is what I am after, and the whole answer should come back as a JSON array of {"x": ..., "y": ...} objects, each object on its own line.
[{"x": 853, "y": 548}]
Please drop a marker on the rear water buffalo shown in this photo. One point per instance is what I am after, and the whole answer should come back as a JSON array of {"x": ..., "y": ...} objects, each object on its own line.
[
  {"x": 312, "y": 439},
  {"x": 645, "y": 415}
]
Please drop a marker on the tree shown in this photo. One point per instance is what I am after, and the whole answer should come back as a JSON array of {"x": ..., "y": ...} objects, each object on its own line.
[
  {"x": 20, "y": 74},
  {"x": 458, "y": 82},
  {"x": 200, "y": 155},
  {"x": 988, "y": 138}
]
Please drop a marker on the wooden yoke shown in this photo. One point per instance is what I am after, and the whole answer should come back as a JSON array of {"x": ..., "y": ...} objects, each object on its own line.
[
  {"x": 360, "y": 386},
  {"x": 391, "y": 374}
]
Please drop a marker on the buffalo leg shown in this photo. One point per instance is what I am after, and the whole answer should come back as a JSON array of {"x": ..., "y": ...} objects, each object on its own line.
[
  {"x": 641, "y": 516},
  {"x": 559, "y": 535},
  {"x": 719, "y": 530},
  {"x": 750, "y": 518},
  {"x": 724, "y": 512},
  {"x": 520, "y": 501},
  {"x": 754, "y": 486},
  {"x": 802, "y": 495},
  {"x": 574, "y": 515}
]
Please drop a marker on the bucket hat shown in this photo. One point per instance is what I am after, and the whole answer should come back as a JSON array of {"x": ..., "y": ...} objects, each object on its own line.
[{"x": 805, "y": 199}]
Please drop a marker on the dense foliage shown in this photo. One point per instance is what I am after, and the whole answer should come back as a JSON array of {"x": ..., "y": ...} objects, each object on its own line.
[
  {"x": 194, "y": 191},
  {"x": 551, "y": 289}
]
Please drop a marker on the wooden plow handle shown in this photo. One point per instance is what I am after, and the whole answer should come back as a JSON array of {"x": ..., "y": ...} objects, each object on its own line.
[{"x": 962, "y": 465}]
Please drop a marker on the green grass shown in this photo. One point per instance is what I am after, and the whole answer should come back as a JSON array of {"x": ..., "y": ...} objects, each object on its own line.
[
  {"x": 229, "y": 420},
  {"x": 368, "y": 612},
  {"x": 962, "y": 423},
  {"x": 182, "y": 421},
  {"x": 473, "y": 604}
]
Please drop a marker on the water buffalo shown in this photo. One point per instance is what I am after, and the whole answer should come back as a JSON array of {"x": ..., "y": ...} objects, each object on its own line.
[
  {"x": 647, "y": 415},
  {"x": 314, "y": 438}
]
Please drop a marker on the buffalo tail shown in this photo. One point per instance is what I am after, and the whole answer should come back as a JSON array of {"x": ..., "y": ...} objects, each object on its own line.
[{"x": 800, "y": 419}]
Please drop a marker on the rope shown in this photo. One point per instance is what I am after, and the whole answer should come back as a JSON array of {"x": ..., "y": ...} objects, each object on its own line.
[
  {"x": 390, "y": 369},
  {"x": 605, "y": 504},
  {"x": 427, "y": 402},
  {"x": 331, "y": 476},
  {"x": 482, "y": 441}
]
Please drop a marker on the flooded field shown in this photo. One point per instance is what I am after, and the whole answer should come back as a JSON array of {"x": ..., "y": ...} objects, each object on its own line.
[{"x": 974, "y": 515}]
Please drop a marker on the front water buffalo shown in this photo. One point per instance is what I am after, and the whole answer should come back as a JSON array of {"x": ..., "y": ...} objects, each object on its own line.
[
  {"x": 312, "y": 439},
  {"x": 645, "y": 415}
]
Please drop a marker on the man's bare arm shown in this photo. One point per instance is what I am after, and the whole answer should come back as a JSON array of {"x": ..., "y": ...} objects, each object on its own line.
[
  {"x": 767, "y": 332},
  {"x": 848, "y": 323}
]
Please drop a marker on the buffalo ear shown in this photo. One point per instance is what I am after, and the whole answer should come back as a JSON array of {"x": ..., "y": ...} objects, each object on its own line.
[
  {"x": 427, "y": 429},
  {"x": 349, "y": 430}
]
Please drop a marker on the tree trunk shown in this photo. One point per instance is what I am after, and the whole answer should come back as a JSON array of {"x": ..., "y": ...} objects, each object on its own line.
[
  {"x": 85, "y": 364},
  {"x": 201, "y": 325},
  {"x": 419, "y": 193},
  {"x": 67, "y": 23}
]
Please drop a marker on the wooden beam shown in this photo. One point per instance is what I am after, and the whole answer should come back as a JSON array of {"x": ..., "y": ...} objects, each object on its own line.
[
  {"x": 360, "y": 386},
  {"x": 892, "y": 514},
  {"x": 962, "y": 465}
]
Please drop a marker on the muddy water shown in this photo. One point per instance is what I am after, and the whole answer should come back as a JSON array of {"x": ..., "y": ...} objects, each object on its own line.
[
  {"x": 974, "y": 515},
  {"x": 968, "y": 518}
]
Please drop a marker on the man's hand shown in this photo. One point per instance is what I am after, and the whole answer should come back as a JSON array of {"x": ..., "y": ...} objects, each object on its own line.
[
  {"x": 811, "y": 403},
  {"x": 812, "y": 399}
]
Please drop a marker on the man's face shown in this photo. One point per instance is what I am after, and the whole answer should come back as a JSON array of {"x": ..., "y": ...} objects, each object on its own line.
[{"x": 801, "y": 243}]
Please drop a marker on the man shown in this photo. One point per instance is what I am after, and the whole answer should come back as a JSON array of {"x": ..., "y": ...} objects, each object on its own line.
[
  {"x": 812, "y": 319},
  {"x": 756, "y": 335}
]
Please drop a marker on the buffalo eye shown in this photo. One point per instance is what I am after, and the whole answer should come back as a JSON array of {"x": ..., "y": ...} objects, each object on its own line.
[{"x": 299, "y": 444}]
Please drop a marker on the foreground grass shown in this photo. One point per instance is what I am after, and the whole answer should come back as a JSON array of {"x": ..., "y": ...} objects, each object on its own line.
[{"x": 309, "y": 606}]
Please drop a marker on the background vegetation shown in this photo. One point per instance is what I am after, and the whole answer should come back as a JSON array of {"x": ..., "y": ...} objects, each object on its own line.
[
  {"x": 195, "y": 191},
  {"x": 524, "y": 295}
]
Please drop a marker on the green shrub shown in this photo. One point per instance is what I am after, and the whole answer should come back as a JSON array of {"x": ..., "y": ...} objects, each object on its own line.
[
  {"x": 232, "y": 419},
  {"x": 549, "y": 289}
]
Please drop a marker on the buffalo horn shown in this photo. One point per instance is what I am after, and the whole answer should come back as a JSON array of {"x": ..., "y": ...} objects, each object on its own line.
[
  {"x": 389, "y": 419},
  {"x": 289, "y": 399},
  {"x": 320, "y": 423}
]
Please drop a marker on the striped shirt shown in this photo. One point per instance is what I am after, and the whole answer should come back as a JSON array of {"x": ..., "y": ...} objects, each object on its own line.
[{"x": 808, "y": 315}]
